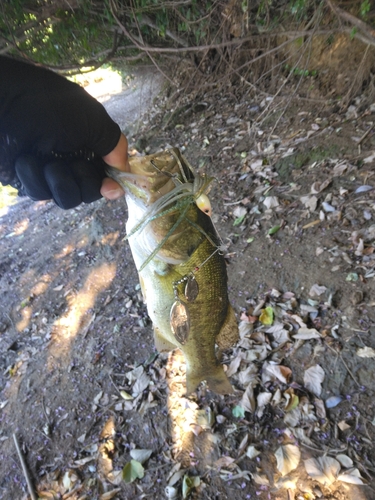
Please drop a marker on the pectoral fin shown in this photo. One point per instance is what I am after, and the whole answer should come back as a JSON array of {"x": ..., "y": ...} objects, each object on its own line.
[{"x": 161, "y": 344}]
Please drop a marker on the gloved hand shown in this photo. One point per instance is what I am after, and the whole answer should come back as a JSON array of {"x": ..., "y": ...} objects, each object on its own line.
[
  {"x": 67, "y": 182},
  {"x": 43, "y": 114}
]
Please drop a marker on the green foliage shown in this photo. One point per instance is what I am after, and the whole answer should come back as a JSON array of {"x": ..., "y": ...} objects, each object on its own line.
[
  {"x": 365, "y": 8},
  {"x": 47, "y": 33},
  {"x": 300, "y": 71}
]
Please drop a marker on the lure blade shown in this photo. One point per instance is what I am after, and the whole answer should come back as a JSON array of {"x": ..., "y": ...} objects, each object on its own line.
[
  {"x": 191, "y": 289},
  {"x": 180, "y": 321}
]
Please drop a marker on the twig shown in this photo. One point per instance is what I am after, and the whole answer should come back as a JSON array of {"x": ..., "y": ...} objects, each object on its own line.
[
  {"x": 345, "y": 364},
  {"x": 365, "y": 134},
  {"x": 24, "y": 469}
]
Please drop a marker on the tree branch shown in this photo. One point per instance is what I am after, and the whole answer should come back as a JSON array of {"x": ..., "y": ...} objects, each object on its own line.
[{"x": 366, "y": 29}]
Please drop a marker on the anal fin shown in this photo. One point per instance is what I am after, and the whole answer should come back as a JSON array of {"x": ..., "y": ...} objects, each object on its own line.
[{"x": 161, "y": 343}]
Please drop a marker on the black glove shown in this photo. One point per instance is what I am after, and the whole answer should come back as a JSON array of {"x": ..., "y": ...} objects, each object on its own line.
[{"x": 68, "y": 182}]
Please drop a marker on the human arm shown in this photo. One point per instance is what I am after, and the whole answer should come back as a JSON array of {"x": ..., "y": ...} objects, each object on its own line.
[{"x": 61, "y": 137}]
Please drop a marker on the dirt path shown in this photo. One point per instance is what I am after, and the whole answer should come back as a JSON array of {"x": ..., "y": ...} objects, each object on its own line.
[{"x": 82, "y": 387}]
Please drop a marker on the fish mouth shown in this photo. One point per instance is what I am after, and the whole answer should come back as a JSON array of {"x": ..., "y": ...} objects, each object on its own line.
[{"x": 153, "y": 176}]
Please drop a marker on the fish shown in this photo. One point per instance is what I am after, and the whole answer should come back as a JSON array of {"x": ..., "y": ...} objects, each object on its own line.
[{"x": 181, "y": 267}]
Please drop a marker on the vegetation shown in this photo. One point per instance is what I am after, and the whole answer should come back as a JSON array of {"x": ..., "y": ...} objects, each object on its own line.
[
  {"x": 211, "y": 43},
  {"x": 72, "y": 33}
]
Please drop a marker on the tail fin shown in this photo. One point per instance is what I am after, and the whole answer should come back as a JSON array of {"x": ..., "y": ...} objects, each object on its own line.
[{"x": 215, "y": 377}]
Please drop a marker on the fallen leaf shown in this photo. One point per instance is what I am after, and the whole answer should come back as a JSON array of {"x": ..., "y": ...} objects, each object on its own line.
[
  {"x": 109, "y": 494},
  {"x": 310, "y": 202},
  {"x": 313, "y": 379},
  {"x": 317, "y": 290},
  {"x": 238, "y": 412},
  {"x": 344, "y": 460},
  {"x": 188, "y": 484},
  {"x": 126, "y": 396},
  {"x": 224, "y": 462},
  {"x": 364, "y": 189},
  {"x": 333, "y": 401},
  {"x": 343, "y": 426},
  {"x": 323, "y": 469},
  {"x": 271, "y": 372},
  {"x": 266, "y": 316},
  {"x": 271, "y": 202},
  {"x": 252, "y": 452},
  {"x": 133, "y": 470},
  {"x": 273, "y": 230},
  {"x": 318, "y": 187},
  {"x": 351, "y": 476},
  {"x": 307, "y": 334},
  {"x": 247, "y": 402},
  {"x": 366, "y": 352},
  {"x": 141, "y": 456},
  {"x": 287, "y": 457},
  {"x": 263, "y": 398},
  {"x": 262, "y": 480}
]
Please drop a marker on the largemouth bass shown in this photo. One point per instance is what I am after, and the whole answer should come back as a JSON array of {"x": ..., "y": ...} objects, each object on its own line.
[{"x": 181, "y": 269}]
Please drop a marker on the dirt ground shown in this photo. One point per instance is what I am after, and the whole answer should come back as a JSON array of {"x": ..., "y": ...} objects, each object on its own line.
[{"x": 81, "y": 385}]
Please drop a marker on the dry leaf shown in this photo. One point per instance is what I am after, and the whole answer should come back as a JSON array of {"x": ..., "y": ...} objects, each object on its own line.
[
  {"x": 343, "y": 426},
  {"x": 313, "y": 379},
  {"x": 366, "y": 352},
  {"x": 351, "y": 476},
  {"x": 288, "y": 458},
  {"x": 323, "y": 469},
  {"x": 248, "y": 399},
  {"x": 317, "y": 290},
  {"x": 271, "y": 202},
  {"x": 263, "y": 398},
  {"x": 310, "y": 202},
  {"x": 141, "y": 384},
  {"x": 318, "y": 187},
  {"x": 109, "y": 494},
  {"x": 345, "y": 461},
  {"x": 262, "y": 480},
  {"x": 275, "y": 372},
  {"x": 252, "y": 452},
  {"x": 224, "y": 462},
  {"x": 307, "y": 334},
  {"x": 141, "y": 455}
]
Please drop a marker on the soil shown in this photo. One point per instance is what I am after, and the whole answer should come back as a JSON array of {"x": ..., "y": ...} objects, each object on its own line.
[{"x": 295, "y": 208}]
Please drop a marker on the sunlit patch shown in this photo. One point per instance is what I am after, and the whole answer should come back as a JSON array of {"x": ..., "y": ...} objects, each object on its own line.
[
  {"x": 83, "y": 242},
  {"x": 42, "y": 285},
  {"x": 67, "y": 250},
  {"x": 101, "y": 83},
  {"x": 182, "y": 412},
  {"x": 76, "y": 318},
  {"x": 110, "y": 239},
  {"x": 26, "y": 316},
  {"x": 21, "y": 226}
]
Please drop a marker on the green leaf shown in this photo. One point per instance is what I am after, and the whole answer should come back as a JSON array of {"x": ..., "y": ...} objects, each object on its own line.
[
  {"x": 188, "y": 484},
  {"x": 266, "y": 317},
  {"x": 238, "y": 412},
  {"x": 273, "y": 230},
  {"x": 352, "y": 277},
  {"x": 239, "y": 220},
  {"x": 133, "y": 470}
]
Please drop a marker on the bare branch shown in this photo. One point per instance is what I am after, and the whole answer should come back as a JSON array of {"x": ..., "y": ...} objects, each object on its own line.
[{"x": 367, "y": 30}]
